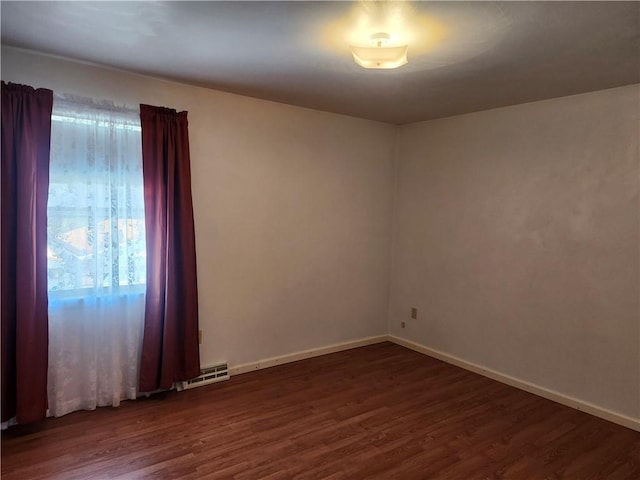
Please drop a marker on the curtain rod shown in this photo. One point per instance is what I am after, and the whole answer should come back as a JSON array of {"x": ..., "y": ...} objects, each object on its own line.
[{"x": 96, "y": 103}]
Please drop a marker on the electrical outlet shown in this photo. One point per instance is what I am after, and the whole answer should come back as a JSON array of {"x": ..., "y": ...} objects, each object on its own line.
[
  {"x": 414, "y": 313},
  {"x": 402, "y": 324}
]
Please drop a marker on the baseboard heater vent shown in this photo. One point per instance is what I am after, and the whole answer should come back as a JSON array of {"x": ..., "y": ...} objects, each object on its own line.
[{"x": 209, "y": 375}]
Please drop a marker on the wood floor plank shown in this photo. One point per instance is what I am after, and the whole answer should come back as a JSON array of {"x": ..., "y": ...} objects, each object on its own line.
[{"x": 380, "y": 411}]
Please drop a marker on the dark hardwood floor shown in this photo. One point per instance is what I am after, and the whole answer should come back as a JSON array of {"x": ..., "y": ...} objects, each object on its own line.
[{"x": 380, "y": 411}]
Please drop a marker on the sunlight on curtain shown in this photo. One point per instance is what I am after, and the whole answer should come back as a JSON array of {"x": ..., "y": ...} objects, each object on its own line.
[{"x": 96, "y": 256}]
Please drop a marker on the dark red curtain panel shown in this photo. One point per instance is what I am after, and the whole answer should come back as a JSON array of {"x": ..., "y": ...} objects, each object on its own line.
[
  {"x": 170, "y": 345},
  {"x": 26, "y": 136}
]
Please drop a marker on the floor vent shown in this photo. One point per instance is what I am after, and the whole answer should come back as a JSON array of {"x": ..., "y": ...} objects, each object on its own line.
[{"x": 209, "y": 375}]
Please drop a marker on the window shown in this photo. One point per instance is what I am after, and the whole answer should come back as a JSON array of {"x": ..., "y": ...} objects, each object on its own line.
[
  {"x": 96, "y": 260},
  {"x": 95, "y": 229}
]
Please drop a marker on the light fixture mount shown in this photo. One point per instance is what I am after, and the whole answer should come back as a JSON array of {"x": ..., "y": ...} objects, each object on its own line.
[{"x": 380, "y": 39}]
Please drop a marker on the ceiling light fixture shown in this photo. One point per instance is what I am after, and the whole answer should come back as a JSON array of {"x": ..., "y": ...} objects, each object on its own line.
[{"x": 380, "y": 54}]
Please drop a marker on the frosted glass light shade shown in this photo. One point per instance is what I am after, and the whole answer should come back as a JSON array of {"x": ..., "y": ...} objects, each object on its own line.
[{"x": 380, "y": 56}]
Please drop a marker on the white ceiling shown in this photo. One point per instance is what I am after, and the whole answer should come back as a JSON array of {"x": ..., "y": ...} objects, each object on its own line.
[{"x": 463, "y": 56}]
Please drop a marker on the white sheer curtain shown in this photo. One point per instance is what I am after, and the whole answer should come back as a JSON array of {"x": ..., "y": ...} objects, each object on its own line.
[{"x": 96, "y": 255}]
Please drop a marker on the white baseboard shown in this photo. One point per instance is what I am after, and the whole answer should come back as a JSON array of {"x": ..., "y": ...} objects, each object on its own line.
[
  {"x": 314, "y": 352},
  {"x": 572, "y": 402}
]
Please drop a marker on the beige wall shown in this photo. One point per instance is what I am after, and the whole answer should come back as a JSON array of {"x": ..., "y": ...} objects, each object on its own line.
[
  {"x": 516, "y": 236},
  {"x": 292, "y": 211}
]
